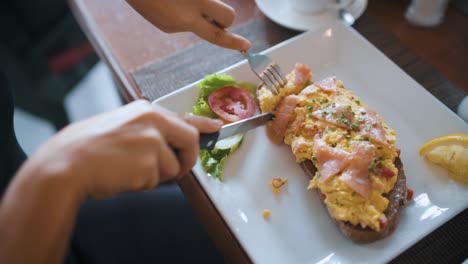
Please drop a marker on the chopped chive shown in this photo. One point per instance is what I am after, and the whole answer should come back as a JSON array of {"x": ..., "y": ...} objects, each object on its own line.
[
  {"x": 373, "y": 167},
  {"x": 323, "y": 100}
]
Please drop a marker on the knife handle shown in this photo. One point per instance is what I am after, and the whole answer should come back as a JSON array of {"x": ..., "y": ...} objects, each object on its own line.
[{"x": 208, "y": 141}]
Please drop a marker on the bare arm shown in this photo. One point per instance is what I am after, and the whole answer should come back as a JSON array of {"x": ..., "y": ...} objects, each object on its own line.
[{"x": 37, "y": 215}]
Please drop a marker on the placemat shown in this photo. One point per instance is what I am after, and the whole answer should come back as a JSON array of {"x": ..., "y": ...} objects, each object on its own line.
[
  {"x": 168, "y": 74},
  {"x": 449, "y": 243}
]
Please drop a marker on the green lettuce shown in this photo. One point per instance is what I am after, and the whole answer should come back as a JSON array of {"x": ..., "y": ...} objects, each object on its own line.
[
  {"x": 213, "y": 161},
  {"x": 213, "y": 82},
  {"x": 213, "y": 165},
  {"x": 202, "y": 108}
]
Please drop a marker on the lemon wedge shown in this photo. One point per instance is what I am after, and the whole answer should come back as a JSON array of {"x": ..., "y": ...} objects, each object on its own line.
[{"x": 450, "y": 152}]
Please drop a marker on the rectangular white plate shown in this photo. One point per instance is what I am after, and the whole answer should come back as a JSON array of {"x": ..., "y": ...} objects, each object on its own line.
[{"x": 299, "y": 229}]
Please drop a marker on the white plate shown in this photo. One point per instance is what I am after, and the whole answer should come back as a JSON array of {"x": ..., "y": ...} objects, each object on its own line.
[
  {"x": 300, "y": 230},
  {"x": 281, "y": 12}
]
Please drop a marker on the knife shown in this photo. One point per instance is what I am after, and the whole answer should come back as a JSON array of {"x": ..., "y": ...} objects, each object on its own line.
[{"x": 208, "y": 140}]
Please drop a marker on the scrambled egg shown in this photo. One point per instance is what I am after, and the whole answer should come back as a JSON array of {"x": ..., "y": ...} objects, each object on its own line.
[{"x": 343, "y": 203}]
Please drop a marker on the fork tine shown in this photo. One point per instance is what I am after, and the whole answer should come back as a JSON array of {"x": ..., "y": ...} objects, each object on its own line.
[
  {"x": 278, "y": 81},
  {"x": 277, "y": 68},
  {"x": 266, "y": 70},
  {"x": 270, "y": 83}
]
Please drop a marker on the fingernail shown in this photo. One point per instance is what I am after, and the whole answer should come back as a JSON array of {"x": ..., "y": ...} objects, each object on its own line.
[{"x": 246, "y": 45}]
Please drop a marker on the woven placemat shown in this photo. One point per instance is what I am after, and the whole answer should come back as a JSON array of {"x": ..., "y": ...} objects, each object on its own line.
[
  {"x": 166, "y": 75},
  {"x": 449, "y": 243}
]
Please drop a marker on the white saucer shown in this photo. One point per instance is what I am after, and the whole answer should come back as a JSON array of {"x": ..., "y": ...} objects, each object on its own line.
[{"x": 282, "y": 13}]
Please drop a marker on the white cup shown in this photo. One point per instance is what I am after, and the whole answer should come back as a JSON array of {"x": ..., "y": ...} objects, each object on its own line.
[
  {"x": 317, "y": 6},
  {"x": 426, "y": 13}
]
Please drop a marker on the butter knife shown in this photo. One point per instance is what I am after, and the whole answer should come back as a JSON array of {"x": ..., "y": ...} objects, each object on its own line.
[{"x": 208, "y": 141}]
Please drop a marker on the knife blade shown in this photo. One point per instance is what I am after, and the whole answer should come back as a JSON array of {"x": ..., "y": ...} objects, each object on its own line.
[{"x": 208, "y": 140}]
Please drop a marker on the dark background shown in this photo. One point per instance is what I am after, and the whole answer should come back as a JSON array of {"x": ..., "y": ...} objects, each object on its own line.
[{"x": 44, "y": 54}]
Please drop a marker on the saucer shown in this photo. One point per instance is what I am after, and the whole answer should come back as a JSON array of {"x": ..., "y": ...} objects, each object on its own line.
[{"x": 282, "y": 13}]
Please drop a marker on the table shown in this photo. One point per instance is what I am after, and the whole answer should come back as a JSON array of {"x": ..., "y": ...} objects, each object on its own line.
[{"x": 126, "y": 42}]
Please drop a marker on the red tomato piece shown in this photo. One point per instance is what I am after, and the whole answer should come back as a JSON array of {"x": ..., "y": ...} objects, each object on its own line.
[
  {"x": 383, "y": 222},
  {"x": 409, "y": 194},
  {"x": 387, "y": 172},
  {"x": 232, "y": 103}
]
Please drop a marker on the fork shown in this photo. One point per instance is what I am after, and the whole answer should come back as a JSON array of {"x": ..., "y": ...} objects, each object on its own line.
[{"x": 267, "y": 70}]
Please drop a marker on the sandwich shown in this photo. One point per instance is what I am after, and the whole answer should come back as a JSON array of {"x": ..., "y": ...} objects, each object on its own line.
[{"x": 345, "y": 147}]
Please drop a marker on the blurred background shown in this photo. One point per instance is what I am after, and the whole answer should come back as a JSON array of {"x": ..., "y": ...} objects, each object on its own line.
[{"x": 53, "y": 71}]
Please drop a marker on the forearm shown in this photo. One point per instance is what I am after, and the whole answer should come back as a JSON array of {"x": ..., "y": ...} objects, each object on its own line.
[{"x": 37, "y": 216}]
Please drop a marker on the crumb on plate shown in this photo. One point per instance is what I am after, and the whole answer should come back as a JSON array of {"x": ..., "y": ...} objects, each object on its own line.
[
  {"x": 266, "y": 213},
  {"x": 276, "y": 184}
]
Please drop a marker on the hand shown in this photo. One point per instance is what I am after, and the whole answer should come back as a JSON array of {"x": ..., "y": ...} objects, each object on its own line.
[
  {"x": 130, "y": 149},
  {"x": 206, "y": 18}
]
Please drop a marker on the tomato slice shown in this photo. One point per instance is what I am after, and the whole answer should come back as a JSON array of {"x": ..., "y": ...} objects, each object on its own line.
[{"x": 232, "y": 103}]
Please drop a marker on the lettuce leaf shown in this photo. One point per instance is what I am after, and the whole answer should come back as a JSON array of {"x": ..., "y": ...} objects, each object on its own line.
[
  {"x": 213, "y": 82},
  {"x": 213, "y": 165},
  {"x": 202, "y": 108},
  {"x": 213, "y": 162}
]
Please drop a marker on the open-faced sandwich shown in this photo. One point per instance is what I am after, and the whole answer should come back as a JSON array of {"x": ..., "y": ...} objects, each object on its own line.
[{"x": 345, "y": 147}]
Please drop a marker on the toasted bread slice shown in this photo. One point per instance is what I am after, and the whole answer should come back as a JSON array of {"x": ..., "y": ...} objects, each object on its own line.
[{"x": 396, "y": 197}]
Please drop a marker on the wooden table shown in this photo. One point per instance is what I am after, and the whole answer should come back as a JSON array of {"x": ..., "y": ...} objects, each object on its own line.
[{"x": 125, "y": 41}]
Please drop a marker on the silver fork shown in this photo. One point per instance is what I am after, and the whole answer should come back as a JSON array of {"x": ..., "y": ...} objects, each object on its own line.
[{"x": 267, "y": 70}]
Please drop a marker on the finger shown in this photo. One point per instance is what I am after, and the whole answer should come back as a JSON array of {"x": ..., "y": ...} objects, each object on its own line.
[
  {"x": 204, "y": 124},
  {"x": 169, "y": 164},
  {"x": 181, "y": 136},
  {"x": 218, "y": 36},
  {"x": 220, "y": 12}
]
